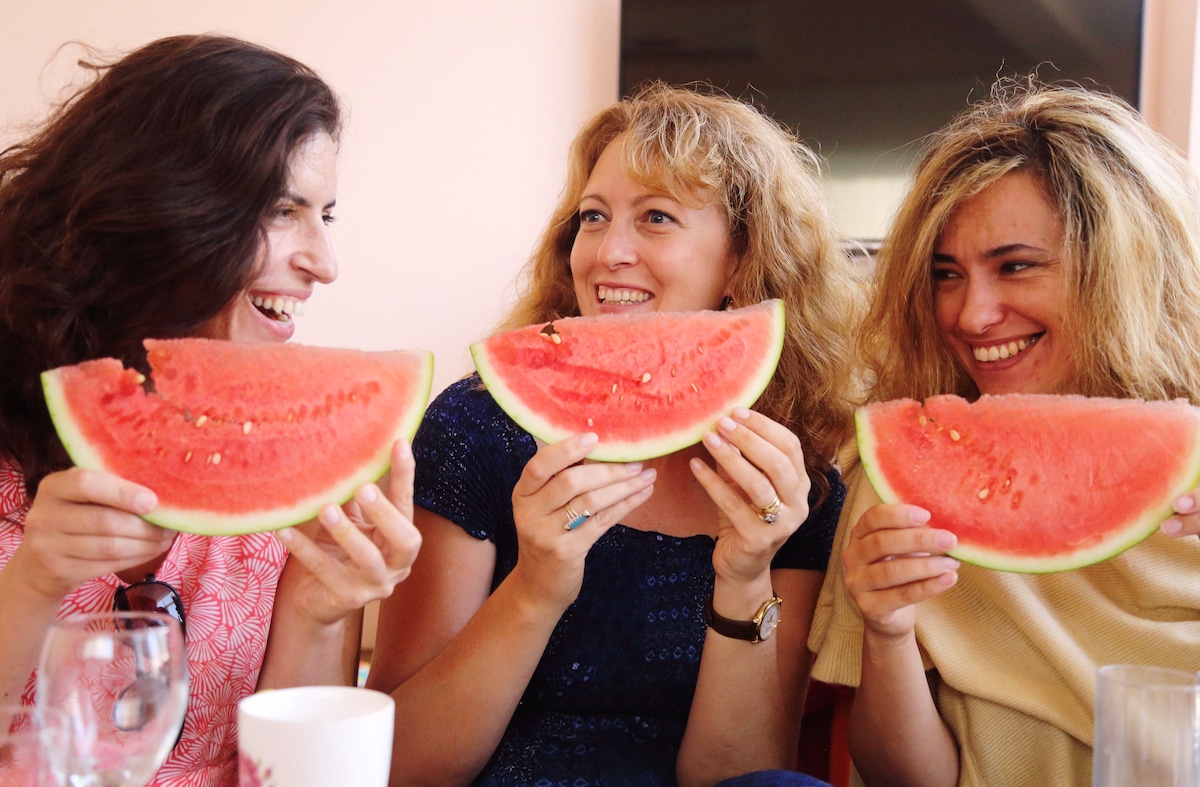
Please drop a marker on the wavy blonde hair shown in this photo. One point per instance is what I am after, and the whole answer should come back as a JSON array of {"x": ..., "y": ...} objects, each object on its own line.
[
  {"x": 691, "y": 144},
  {"x": 1127, "y": 201}
]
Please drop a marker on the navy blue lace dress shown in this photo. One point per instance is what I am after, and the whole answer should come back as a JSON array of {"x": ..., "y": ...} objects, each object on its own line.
[{"x": 608, "y": 703}]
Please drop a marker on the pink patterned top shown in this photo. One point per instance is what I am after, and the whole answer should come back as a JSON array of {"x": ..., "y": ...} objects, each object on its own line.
[{"x": 228, "y": 589}]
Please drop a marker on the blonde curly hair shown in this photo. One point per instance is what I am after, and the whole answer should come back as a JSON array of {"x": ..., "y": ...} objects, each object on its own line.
[
  {"x": 693, "y": 144},
  {"x": 1128, "y": 205}
]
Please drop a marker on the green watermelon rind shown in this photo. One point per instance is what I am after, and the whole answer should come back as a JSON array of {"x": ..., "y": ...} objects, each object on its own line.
[
  {"x": 635, "y": 451},
  {"x": 208, "y": 523},
  {"x": 1121, "y": 539}
]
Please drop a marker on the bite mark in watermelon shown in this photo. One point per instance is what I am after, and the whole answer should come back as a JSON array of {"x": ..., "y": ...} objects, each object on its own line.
[
  {"x": 1034, "y": 483},
  {"x": 239, "y": 438},
  {"x": 647, "y": 384}
]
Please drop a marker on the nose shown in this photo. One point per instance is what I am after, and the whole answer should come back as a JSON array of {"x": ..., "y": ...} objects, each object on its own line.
[
  {"x": 617, "y": 249},
  {"x": 314, "y": 254},
  {"x": 982, "y": 306}
]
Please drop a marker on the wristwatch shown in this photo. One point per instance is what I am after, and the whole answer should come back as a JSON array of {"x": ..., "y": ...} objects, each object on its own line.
[{"x": 756, "y": 630}]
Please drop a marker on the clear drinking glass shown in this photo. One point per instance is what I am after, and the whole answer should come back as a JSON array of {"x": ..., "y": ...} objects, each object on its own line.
[
  {"x": 1147, "y": 729},
  {"x": 121, "y": 679},
  {"x": 33, "y": 747}
]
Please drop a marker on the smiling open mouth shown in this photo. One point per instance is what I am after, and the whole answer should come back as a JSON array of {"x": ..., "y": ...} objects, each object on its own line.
[
  {"x": 279, "y": 308},
  {"x": 621, "y": 295},
  {"x": 1000, "y": 352}
]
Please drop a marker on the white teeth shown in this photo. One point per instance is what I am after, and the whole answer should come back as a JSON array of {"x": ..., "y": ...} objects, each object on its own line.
[
  {"x": 283, "y": 309},
  {"x": 611, "y": 295},
  {"x": 999, "y": 352}
]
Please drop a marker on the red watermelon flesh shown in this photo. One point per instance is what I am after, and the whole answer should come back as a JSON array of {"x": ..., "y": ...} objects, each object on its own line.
[
  {"x": 238, "y": 438},
  {"x": 1034, "y": 483},
  {"x": 647, "y": 384}
]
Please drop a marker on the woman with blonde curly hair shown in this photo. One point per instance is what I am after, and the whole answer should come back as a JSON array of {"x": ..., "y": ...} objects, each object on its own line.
[
  {"x": 583, "y": 656},
  {"x": 1050, "y": 244}
]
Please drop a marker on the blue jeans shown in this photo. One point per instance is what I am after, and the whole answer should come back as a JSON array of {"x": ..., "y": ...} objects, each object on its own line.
[{"x": 773, "y": 779}]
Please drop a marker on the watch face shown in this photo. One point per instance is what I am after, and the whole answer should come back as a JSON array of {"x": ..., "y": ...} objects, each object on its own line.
[{"x": 770, "y": 619}]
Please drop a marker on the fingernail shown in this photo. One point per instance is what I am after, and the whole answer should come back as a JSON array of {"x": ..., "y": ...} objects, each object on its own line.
[
  {"x": 368, "y": 494},
  {"x": 944, "y": 540},
  {"x": 918, "y": 516},
  {"x": 633, "y": 468},
  {"x": 1184, "y": 504},
  {"x": 726, "y": 423},
  {"x": 588, "y": 440},
  {"x": 950, "y": 564},
  {"x": 741, "y": 413},
  {"x": 284, "y": 536},
  {"x": 711, "y": 440},
  {"x": 329, "y": 515},
  {"x": 649, "y": 474},
  {"x": 1172, "y": 527},
  {"x": 144, "y": 502}
]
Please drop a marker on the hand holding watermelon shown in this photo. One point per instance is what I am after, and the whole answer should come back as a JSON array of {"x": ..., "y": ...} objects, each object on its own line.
[
  {"x": 84, "y": 524},
  {"x": 551, "y": 557},
  {"x": 894, "y": 561},
  {"x": 760, "y": 461},
  {"x": 356, "y": 553}
]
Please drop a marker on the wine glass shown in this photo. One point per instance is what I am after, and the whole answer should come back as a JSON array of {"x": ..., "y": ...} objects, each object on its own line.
[
  {"x": 121, "y": 678},
  {"x": 33, "y": 746}
]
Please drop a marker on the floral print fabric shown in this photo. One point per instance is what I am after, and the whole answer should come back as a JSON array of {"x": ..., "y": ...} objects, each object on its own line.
[{"x": 228, "y": 589}]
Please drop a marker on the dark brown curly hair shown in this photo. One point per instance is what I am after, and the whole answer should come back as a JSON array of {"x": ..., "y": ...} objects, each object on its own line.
[{"x": 137, "y": 211}]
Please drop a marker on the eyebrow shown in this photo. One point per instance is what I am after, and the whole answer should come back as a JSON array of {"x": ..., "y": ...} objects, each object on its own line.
[
  {"x": 991, "y": 254},
  {"x": 304, "y": 203}
]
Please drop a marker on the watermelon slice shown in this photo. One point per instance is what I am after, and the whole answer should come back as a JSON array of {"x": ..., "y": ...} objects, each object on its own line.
[
  {"x": 1034, "y": 483},
  {"x": 647, "y": 384},
  {"x": 239, "y": 438}
]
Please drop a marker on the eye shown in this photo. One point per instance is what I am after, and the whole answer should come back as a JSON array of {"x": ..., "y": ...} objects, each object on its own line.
[
  {"x": 943, "y": 273},
  {"x": 590, "y": 216},
  {"x": 1015, "y": 266},
  {"x": 328, "y": 218},
  {"x": 658, "y": 217}
]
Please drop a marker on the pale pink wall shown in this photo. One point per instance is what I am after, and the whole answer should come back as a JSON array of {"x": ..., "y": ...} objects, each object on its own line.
[
  {"x": 1169, "y": 85},
  {"x": 460, "y": 112}
]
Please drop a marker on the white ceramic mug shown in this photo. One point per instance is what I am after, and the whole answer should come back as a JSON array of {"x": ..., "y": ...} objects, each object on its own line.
[
  {"x": 1147, "y": 730},
  {"x": 315, "y": 736}
]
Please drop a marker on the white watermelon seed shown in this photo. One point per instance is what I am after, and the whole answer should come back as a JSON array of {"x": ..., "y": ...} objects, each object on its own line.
[
  {"x": 983, "y": 493},
  {"x": 201, "y": 420},
  {"x": 216, "y": 458},
  {"x": 954, "y": 434},
  {"x": 188, "y": 458},
  {"x": 646, "y": 377},
  {"x": 246, "y": 427}
]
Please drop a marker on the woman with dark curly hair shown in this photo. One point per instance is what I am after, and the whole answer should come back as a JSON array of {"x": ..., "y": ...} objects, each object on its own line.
[{"x": 186, "y": 191}]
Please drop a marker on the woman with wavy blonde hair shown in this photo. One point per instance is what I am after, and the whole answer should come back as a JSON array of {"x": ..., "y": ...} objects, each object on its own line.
[
  {"x": 705, "y": 148},
  {"x": 583, "y": 655},
  {"x": 1128, "y": 205},
  {"x": 1050, "y": 244}
]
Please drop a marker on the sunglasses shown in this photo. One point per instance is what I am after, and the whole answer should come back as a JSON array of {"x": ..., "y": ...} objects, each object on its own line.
[
  {"x": 151, "y": 595},
  {"x": 136, "y": 703}
]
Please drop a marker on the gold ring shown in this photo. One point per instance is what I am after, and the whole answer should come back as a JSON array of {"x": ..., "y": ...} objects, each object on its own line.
[
  {"x": 770, "y": 513},
  {"x": 574, "y": 518}
]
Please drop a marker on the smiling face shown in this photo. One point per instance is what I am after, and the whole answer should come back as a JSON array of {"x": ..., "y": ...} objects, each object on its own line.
[
  {"x": 1000, "y": 295},
  {"x": 297, "y": 254},
  {"x": 638, "y": 250}
]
